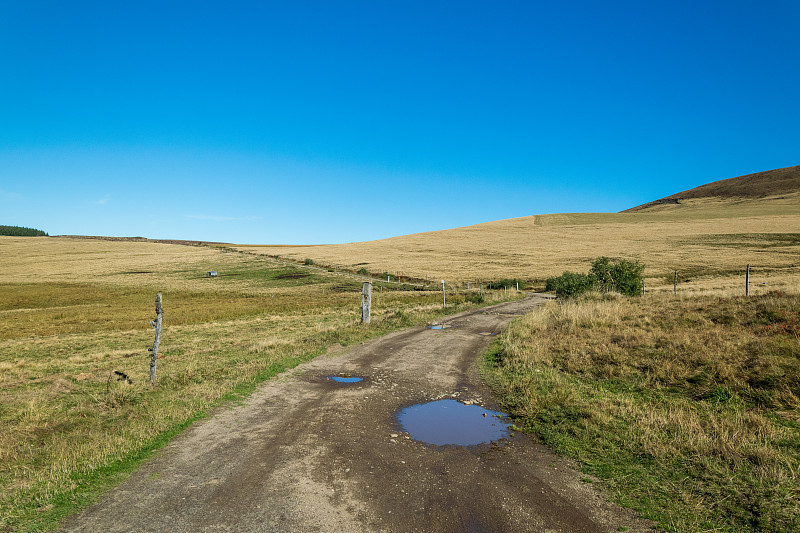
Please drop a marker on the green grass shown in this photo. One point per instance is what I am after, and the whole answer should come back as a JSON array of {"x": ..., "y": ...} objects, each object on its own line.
[{"x": 687, "y": 410}]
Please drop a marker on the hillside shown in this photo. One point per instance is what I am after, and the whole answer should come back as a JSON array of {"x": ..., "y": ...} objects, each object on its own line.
[
  {"x": 771, "y": 185},
  {"x": 705, "y": 237}
]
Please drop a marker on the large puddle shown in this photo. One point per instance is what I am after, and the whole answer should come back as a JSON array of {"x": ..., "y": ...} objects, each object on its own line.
[
  {"x": 345, "y": 379},
  {"x": 451, "y": 422},
  {"x": 440, "y": 326}
]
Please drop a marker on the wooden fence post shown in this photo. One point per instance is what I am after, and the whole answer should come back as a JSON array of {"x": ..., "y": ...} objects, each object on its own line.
[
  {"x": 444, "y": 302},
  {"x": 642, "y": 286},
  {"x": 157, "y": 325},
  {"x": 675, "y": 284},
  {"x": 747, "y": 282},
  {"x": 366, "y": 301}
]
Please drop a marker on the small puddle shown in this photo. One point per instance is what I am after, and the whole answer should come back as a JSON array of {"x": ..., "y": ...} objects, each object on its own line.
[
  {"x": 487, "y": 333},
  {"x": 345, "y": 379},
  {"x": 451, "y": 422},
  {"x": 439, "y": 326}
]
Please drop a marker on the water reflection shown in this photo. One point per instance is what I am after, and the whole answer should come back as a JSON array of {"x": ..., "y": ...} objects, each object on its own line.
[{"x": 451, "y": 422}]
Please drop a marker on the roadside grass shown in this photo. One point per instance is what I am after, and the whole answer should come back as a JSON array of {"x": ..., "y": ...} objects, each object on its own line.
[
  {"x": 71, "y": 428},
  {"x": 686, "y": 408}
]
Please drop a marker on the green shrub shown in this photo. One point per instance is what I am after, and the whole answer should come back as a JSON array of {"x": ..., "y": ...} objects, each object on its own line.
[
  {"x": 627, "y": 276},
  {"x": 475, "y": 298},
  {"x": 505, "y": 283},
  {"x": 601, "y": 270},
  {"x": 363, "y": 271},
  {"x": 570, "y": 284},
  {"x": 308, "y": 261},
  {"x": 621, "y": 276}
]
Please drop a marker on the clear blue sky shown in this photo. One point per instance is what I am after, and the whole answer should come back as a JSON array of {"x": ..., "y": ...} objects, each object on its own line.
[{"x": 335, "y": 121}]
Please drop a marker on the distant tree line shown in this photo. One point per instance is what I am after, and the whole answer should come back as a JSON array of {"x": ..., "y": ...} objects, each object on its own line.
[{"x": 18, "y": 231}]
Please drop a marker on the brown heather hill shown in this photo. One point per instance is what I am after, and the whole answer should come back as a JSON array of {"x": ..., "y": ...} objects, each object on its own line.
[{"x": 778, "y": 184}]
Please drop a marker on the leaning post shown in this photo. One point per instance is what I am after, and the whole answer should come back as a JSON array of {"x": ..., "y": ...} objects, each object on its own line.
[
  {"x": 157, "y": 325},
  {"x": 366, "y": 301}
]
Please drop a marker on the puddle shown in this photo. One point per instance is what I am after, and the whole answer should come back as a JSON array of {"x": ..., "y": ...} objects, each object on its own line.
[
  {"x": 440, "y": 326},
  {"x": 345, "y": 379},
  {"x": 487, "y": 333},
  {"x": 451, "y": 422}
]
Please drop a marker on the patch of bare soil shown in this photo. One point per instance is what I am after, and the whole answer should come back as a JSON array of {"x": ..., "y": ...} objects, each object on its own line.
[{"x": 305, "y": 453}]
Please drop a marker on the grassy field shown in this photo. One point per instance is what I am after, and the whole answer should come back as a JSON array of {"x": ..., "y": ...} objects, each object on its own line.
[
  {"x": 686, "y": 408},
  {"x": 75, "y": 311},
  {"x": 705, "y": 240}
]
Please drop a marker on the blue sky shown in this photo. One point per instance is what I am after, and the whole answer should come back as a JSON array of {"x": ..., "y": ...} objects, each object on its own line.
[{"x": 322, "y": 122}]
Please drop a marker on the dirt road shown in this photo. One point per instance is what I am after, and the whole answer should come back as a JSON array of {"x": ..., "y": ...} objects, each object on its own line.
[{"x": 307, "y": 454}]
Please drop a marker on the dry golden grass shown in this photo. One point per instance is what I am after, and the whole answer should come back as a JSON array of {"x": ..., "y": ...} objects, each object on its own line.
[
  {"x": 701, "y": 239},
  {"x": 688, "y": 407}
]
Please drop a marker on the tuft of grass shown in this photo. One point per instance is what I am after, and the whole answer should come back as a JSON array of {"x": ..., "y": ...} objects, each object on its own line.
[{"x": 687, "y": 408}]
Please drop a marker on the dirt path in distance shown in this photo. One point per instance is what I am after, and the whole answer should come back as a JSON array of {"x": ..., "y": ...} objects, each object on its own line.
[{"x": 307, "y": 454}]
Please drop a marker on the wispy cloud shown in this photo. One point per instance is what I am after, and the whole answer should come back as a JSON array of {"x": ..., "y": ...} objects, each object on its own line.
[
  {"x": 102, "y": 201},
  {"x": 217, "y": 218}
]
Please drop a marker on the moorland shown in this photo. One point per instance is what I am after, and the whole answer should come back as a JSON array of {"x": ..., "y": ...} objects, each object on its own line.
[{"x": 682, "y": 406}]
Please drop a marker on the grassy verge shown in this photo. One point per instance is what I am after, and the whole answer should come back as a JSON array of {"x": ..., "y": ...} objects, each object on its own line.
[
  {"x": 687, "y": 409},
  {"x": 70, "y": 428}
]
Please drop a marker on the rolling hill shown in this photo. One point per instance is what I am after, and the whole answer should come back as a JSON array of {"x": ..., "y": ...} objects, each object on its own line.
[{"x": 708, "y": 234}]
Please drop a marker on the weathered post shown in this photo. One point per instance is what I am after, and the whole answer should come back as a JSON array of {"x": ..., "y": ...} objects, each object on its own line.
[
  {"x": 366, "y": 301},
  {"x": 157, "y": 325},
  {"x": 642, "y": 286},
  {"x": 747, "y": 282},
  {"x": 444, "y": 302},
  {"x": 481, "y": 290},
  {"x": 675, "y": 284},
  {"x": 518, "y": 286}
]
